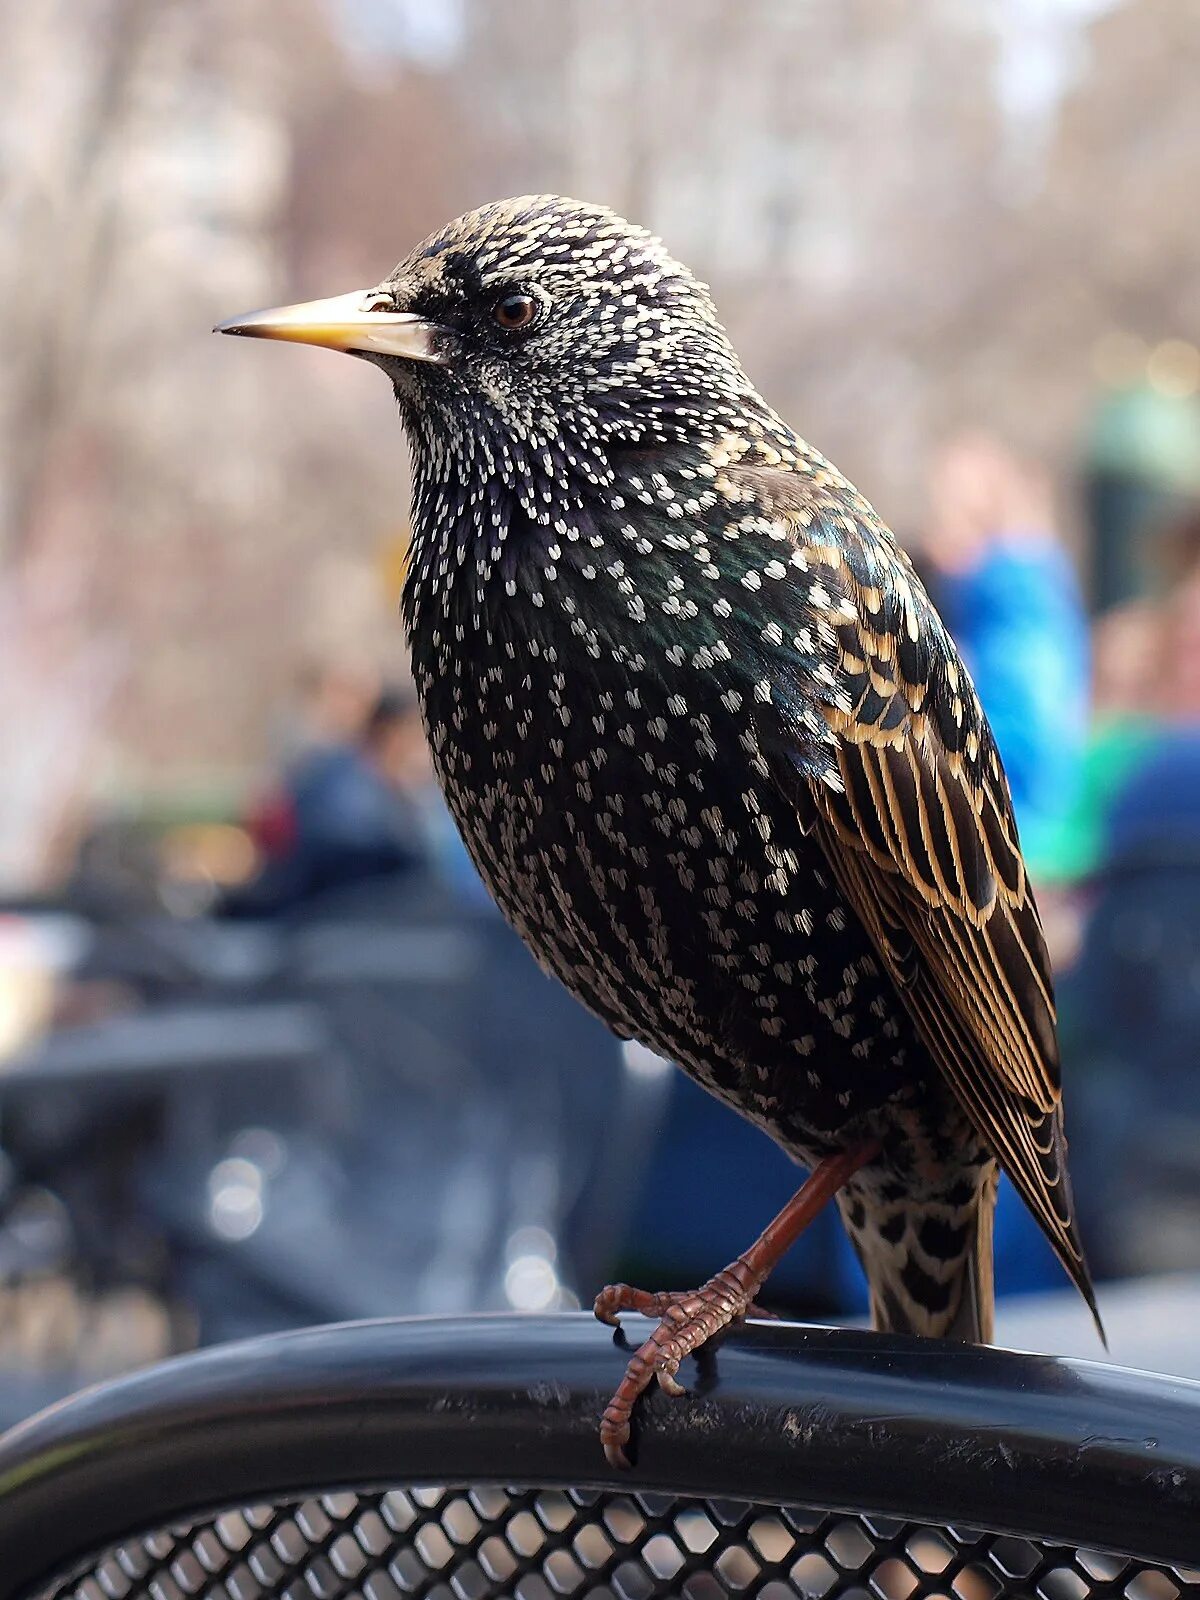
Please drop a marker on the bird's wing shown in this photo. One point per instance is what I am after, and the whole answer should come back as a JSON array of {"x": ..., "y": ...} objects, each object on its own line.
[{"x": 912, "y": 810}]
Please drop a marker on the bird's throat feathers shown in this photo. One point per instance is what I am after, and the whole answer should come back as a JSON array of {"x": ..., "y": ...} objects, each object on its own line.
[
  {"x": 509, "y": 521},
  {"x": 485, "y": 466}
]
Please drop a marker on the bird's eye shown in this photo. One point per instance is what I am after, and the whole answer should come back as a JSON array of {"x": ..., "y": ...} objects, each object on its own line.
[{"x": 515, "y": 310}]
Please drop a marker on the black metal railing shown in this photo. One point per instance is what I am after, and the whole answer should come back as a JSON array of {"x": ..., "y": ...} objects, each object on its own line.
[{"x": 460, "y": 1459}]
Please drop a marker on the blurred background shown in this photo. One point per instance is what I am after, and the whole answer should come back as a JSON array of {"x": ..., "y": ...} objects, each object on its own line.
[{"x": 267, "y": 1055}]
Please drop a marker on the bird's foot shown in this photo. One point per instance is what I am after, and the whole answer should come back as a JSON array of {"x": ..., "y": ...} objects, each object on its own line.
[
  {"x": 618, "y": 1297},
  {"x": 687, "y": 1319}
]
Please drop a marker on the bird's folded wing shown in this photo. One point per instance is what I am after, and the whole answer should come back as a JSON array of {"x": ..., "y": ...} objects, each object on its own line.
[{"x": 914, "y": 816}]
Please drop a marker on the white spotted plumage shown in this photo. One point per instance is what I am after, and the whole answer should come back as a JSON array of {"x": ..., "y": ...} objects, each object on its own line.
[{"x": 684, "y": 695}]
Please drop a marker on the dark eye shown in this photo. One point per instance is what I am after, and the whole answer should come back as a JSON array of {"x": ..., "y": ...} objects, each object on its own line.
[{"x": 515, "y": 310}]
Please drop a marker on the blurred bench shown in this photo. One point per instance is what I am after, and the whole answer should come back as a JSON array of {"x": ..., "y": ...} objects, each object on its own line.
[{"x": 378, "y": 1109}]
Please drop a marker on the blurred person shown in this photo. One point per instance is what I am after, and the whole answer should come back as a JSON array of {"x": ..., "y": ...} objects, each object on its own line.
[
  {"x": 352, "y": 810},
  {"x": 1007, "y": 590},
  {"x": 1124, "y": 660},
  {"x": 1127, "y": 646},
  {"x": 400, "y": 753},
  {"x": 1179, "y": 661},
  {"x": 333, "y": 699}
]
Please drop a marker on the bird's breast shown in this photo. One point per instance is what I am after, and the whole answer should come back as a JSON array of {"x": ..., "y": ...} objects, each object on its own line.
[{"x": 628, "y": 828}]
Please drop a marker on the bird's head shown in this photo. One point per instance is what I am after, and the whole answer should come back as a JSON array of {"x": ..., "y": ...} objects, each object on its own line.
[{"x": 532, "y": 324}]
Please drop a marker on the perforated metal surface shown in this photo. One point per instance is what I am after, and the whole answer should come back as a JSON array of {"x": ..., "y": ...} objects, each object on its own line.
[{"x": 531, "y": 1544}]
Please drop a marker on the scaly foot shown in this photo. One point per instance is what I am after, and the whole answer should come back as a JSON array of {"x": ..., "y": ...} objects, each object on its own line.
[{"x": 689, "y": 1318}]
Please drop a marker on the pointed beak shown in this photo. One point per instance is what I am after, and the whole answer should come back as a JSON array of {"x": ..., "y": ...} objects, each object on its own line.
[{"x": 346, "y": 322}]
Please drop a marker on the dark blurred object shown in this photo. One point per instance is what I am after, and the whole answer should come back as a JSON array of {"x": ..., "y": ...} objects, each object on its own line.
[
  {"x": 1131, "y": 1007},
  {"x": 380, "y": 1106},
  {"x": 1130, "y": 1014},
  {"x": 84, "y": 1117},
  {"x": 477, "y": 1164},
  {"x": 116, "y": 869},
  {"x": 1142, "y": 464},
  {"x": 1154, "y": 821},
  {"x": 1152, "y": 806},
  {"x": 171, "y": 861},
  {"x": 1132, "y": 1004}
]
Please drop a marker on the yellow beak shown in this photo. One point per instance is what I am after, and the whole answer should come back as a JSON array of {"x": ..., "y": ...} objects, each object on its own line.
[{"x": 346, "y": 322}]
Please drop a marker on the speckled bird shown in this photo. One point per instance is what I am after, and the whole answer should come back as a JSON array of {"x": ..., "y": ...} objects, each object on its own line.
[{"x": 714, "y": 753}]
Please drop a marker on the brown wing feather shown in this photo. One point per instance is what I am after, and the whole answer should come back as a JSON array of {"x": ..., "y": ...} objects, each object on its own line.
[{"x": 918, "y": 828}]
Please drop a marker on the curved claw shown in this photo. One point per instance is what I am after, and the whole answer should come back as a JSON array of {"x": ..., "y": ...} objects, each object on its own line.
[
  {"x": 614, "y": 1435},
  {"x": 619, "y": 1297},
  {"x": 669, "y": 1383},
  {"x": 607, "y": 1304}
]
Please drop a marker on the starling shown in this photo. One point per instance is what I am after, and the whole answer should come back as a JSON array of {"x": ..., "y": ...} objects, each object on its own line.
[{"x": 714, "y": 753}]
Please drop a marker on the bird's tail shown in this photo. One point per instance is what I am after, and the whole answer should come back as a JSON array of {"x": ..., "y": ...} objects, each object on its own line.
[{"x": 928, "y": 1260}]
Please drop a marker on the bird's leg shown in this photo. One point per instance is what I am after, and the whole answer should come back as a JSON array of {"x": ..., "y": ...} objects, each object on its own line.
[{"x": 689, "y": 1319}]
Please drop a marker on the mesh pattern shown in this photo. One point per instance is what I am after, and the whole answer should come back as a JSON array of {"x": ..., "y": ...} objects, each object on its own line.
[{"x": 538, "y": 1544}]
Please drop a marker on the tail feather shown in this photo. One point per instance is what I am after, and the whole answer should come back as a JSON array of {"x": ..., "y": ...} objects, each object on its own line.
[
  {"x": 976, "y": 1319},
  {"x": 929, "y": 1261}
]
